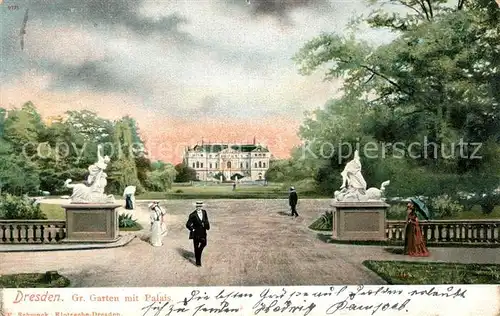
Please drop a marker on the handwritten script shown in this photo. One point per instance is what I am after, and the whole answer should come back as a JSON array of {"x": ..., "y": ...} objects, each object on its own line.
[
  {"x": 299, "y": 300},
  {"x": 295, "y": 302}
]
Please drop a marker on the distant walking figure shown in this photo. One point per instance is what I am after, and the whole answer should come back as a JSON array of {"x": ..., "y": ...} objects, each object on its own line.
[
  {"x": 128, "y": 194},
  {"x": 414, "y": 240},
  {"x": 198, "y": 225},
  {"x": 292, "y": 200}
]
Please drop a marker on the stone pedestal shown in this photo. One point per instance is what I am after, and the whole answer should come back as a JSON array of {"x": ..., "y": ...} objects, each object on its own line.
[
  {"x": 91, "y": 223},
  {"x": 359, "y": 220}
]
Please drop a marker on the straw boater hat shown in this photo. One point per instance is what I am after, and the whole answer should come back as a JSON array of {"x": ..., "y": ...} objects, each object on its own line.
[
  {"x": 198, "y": 204},
  {"x": 150, "y": 205},
  {"x": 292, "y": 189}
]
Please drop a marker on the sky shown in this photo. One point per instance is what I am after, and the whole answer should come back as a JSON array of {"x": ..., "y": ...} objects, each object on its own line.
[{"x": 217, "y": 70}]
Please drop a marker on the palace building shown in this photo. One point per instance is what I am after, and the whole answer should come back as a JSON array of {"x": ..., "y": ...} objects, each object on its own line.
[{"x": 248, "y": 162}]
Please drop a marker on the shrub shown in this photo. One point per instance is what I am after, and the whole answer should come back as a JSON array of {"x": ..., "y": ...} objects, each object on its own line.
[
  {"x": 19, "y": 207},
  {"x": 126, "y": 221},
  {"x": 179, "y": 191},
  {"x": 489, "y": 202},
  {"x": 444, "y": 206},
  {"x": 324, "y": 223}
]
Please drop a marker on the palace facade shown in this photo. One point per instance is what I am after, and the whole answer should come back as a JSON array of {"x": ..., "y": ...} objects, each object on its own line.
[{"x": 247, "y": 162}]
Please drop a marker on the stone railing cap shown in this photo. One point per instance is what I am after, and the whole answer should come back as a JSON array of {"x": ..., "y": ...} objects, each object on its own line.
[
  {"x": 90, "y": 206},
  {"x": 360, "y": 204}
]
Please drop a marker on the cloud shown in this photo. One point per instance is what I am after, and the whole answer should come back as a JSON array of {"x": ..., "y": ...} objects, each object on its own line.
[
  {"x": 207, "y": 68},
  {"x": 279, "y": 9}
]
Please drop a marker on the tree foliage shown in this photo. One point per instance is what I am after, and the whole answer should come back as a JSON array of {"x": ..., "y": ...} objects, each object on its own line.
[
  {"x": 436, "y": 84},
  {"x": 184, "y": 173},
  {"x": 39, "y": 156}
]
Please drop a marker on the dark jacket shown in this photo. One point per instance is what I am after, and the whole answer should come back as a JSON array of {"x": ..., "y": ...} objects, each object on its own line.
[
  {"x": 197, "y": 227},
  {"x": 293, "y": 198}
]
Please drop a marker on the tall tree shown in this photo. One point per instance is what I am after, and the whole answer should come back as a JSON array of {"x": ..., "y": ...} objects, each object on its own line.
[{"x": 438, "y": 79}]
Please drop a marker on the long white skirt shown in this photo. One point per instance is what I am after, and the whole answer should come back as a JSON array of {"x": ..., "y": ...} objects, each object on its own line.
[
  {"x": 156, "y": 234},
  {"x": 163, "y": 229}
]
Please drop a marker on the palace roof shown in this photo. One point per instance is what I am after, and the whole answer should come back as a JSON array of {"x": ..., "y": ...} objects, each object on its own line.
[{"x": 215, "y": 148}]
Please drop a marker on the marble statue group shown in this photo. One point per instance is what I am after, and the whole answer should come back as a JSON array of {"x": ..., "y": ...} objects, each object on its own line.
[
  {"x": 92, "y": 190},
  {"x": 353, "y": 188}
]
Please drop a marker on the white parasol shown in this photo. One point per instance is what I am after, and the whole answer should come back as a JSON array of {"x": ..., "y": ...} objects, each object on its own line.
[{"x": 129, "y": 190}]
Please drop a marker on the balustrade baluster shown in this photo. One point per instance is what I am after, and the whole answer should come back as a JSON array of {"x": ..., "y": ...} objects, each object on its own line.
[
  {"x": 49, "y": 238},
  {"x": 57, "y": 233},
  {"x": 478, "y": 233},
  {"x": 492, "y": 233},
  {"x": 467, "y": 233},
  {"x": 462, "y": 232},
  {"x": 18, "y": 233},
  {"x": 63, "y": 231},
  {"x": 27, "y": 233},
  {"x": 425, "y": 232},
  {"x": 432, "y": 228},
  {"x": 456, "y": 233},
  {"x": 439, "y": 233},
  {"x": 496, "y": 233},
  {"x": 487, "y": 229},
  {"x": 35, "y": 237},
  {"x": 4, "y": 236},
  {"x": 42, "y": 233},
  {"x": 11, "y": 233}
]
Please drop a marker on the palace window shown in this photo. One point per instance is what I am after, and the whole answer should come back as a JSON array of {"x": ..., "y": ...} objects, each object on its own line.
[
  {"x": 229, "y": 164},
  {"x": 241, "y": 165},
  {"x": 201, "y": 165},
  {"x": 260, "y": 164},
  {"x": 193, "y": 165},
  {"x": 247, "y": 165},
  {"x": 255, "y": 165},
  {"x": 197, "y": 164},
  {"x": 210, "y": 165},
  {"x": 216, "y": 166},
  {"x": 263, "y": 164}
]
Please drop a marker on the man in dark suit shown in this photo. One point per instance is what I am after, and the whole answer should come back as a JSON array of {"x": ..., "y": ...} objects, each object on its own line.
[
  {"x": 198, "y": 225},
  {"x": 292, "y": 200}
]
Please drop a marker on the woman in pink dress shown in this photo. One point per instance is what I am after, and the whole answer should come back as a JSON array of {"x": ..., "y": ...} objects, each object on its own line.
[{"x": 414, "y": 240}]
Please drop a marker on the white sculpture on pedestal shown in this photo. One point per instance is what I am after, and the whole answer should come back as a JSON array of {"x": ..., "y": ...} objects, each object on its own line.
[
  {"x": 353, "y": 187},
  {"x": 92, "y": 191}
]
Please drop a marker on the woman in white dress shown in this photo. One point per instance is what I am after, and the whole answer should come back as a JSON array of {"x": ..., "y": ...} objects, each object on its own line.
[{"x": 156, "y": 218}]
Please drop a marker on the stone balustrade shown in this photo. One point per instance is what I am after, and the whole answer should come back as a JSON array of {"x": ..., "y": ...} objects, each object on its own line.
[
  {"x": 32, "y": 231},
  {"x": 449, "y": 231},
  {"x": 435, "y": 231}
]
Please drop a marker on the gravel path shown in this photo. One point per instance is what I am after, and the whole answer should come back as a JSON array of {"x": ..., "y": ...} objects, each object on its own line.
[{"x": 252, "y": 242}]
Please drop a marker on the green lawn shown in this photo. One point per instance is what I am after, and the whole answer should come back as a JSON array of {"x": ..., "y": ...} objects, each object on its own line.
[
  {"x": 53, "y": 211},
  {"x": 272, "y": 191},
  {"x": 407, "y": 272},
  {"x": 224, "y": 191},
  {"x": 33, "y": 280},
  {"x": 476, "y": 213}
]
